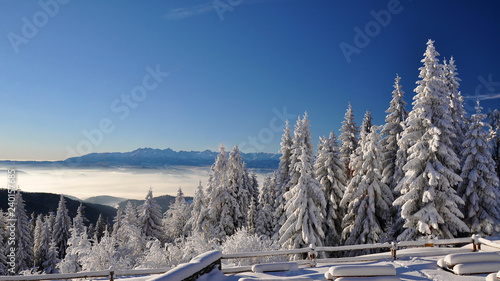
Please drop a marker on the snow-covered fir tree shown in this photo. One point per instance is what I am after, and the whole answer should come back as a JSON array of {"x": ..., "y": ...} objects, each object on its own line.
[
  {"x": 394, "y": 121},
  {"x": 131, "y": 243},
  {"x": 79, "y": 247},
  {"x": 193, "y": 224},
  {"x": 24, "y": 240},
  {"x": 305, "y": 200},
  {"x": 220, "y": 218},
  {"x": 254, "y": 202},
  {"x": 367, "y": 123},
  {"x": 80, "y": 219},
  {"x": 176, "y": 217},
  {"x": 42, "y": 240},
  {"x": 100, "y": 227},
  {"x": 238, "y": 184},
  {"x": 62, "y": 224},
  {"x": 428, "y": 200},
  {"x": 349, "y": 138},
  {"x": 102, "y": 256},
  {"x": 479, "y": 188},
  {"x": 3, "y": 258},
  {"x": 457, "y": 111},
  {"x": 368, "y": 211},
  {"x": 130, "y": 216},
  {"x": 117, "y": 222},
  {"x": 282, "y": 178},
  {"x": 51, "y": 259},
  {"x": 264, "y": 222},
  {"x": 332, "y": 175},
  {"x": 494, "y": 137},
  {"x": 150, "y": 217}
]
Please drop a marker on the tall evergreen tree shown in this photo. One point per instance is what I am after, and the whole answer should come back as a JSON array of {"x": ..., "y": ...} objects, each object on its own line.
[
  {"x": 494, "y": 137},
  {"x": 42, "y": 240},
  {"x": 305, "y": 201},
  {"x": 282, "y": 178},
  {"x": 367, "y": 123},
  {"x": 51, "y": 259},
  {"x": 79, "y": 220},
  {"x": 239, "y": 186},
  {"x": 3, "y": 258},
  {"x": 331, "y": 174},
  {"x": 176, "y": 217},
  {"x": 24, "y": 240},
  {"x": 479, "y": 188},
  {"x": 131, "y": 216},
  {"x": 254, "y": 202},
  {"x": 457, "y": 111},
  {"x": 62, "y": 224},
  {"x": 394, "y": 122},
  {"x": 193, "y": 223},
  {"x": 150, "y": 218},
  {"x": 100, "y": 227},
  {"x": 349, "y": 138},
  {"x": 264, "y": 221},
  {"x": 368, "y": 211},
  {"x": 429, "y": 203}
]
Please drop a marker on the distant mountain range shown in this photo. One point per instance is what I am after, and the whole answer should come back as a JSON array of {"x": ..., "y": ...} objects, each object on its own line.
[
  {"x": 154, "y": 158},
  {"x": 107, "y": 200}
]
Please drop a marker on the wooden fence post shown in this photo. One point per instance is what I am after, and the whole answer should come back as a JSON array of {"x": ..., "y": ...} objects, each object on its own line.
[
  {"x": 312, "y": 255},
  {"x": 111, "y": 275},
  {"x": 393, "y": 249}
]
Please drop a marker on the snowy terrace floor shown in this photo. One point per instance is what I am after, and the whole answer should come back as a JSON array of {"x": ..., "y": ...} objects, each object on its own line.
[{"x": 411, "y": 264}]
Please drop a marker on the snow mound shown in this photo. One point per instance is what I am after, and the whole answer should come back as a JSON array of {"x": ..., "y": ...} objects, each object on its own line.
[
  {"x": 288, "y": 278},
  {"x": 362, "y": 270},
  {"x": 187, "y": 270},
  {"x": 476, "y": 267},
  {"x": 453, "y": 259},
  {"x": 281, "y": 266},
  {"x": 493, "y": 276}
]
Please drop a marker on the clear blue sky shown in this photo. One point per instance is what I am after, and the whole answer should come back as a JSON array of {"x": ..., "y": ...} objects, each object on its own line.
[{"x": 65, "y": 67}]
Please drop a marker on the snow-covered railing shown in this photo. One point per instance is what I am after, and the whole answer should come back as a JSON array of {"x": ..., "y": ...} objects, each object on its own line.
[
  {"x": 478, "y": 241},
  {"x": 392, "y": 249}
]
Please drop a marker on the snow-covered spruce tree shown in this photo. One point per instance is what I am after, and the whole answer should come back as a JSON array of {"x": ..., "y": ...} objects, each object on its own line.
[
  {"x": 100, "y": 228},
  {"x": 79, "y": 220},
  {"x": 367, "y": 123},
  {"x": 154, "y": 257},
  {"x": 193, "y": 224},
  {"x": 264, "y": 221},
  {"x": 24, "y": 240},
  {"x": 42, "y": 240},
  {"x": 254, "y": 202},
  {"x": 305, "y": 201},
  {"x": 131, "y": 216},
  {"x": 368, "y": 212},
  {"x": 457, "y": 111},
  {"x": 102, "y": 256},
  {"x": 494, "y": 137},
  {"x": 349, "y": 139},
  {"x": 176, "y": 217},
  {"x": 223, "y": 205},
  {"x": 131, "y": 243},
  {"x": 3, "y": 258},
  {"x": 331, "y": 174},
  {"x": 150, "y": 218},
  {"x": 479, "y": 188},
  {"x": 117, "y": 222},
  {"x": 62, "y": 224},
  {"x": 282, "y": 178},
  {"x": 79, "y": 247},
  {"x": 394, "y": 120},
  {"x": 239, "y": 186},
  {"x": 51, "y": 259},
  {"x": 428, "y": 200}
]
